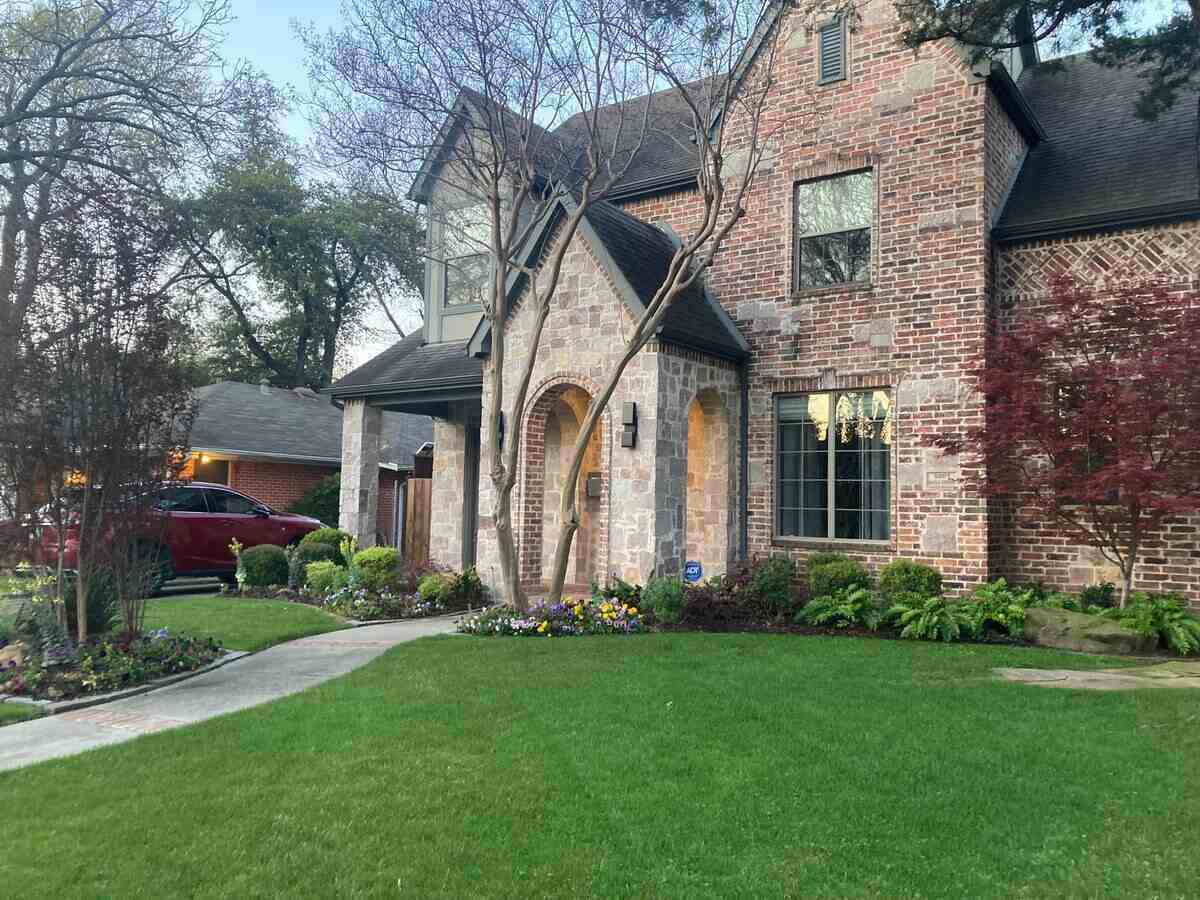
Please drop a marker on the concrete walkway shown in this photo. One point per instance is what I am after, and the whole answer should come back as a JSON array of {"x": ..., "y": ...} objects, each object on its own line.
[
  {"x": 1174, "y": 674},
  {"x": 276, "y": 672}
]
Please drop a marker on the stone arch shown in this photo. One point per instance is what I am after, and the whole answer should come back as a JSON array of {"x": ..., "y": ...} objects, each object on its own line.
[
  {"x": 551, "y": 427},
  {"x": 709, "y": 476}
]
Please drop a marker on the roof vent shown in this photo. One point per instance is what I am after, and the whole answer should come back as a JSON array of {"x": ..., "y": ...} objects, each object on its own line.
[
  {"x": 264, "y": 387},
  {"x": 306, "y": 392}
]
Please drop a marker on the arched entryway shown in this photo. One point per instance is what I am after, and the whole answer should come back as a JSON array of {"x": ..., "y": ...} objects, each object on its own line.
[
  {"x": 552, "y": 428},
  {"x": 706, "y": 521}
]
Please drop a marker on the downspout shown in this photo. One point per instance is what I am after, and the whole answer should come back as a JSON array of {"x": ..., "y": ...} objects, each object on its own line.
[{"x": 744, "y": 461}]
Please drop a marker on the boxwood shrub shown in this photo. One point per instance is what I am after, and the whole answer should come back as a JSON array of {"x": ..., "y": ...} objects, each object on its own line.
[
  {"x": 332, "y": 537},
  {"x": 324, "y": 577},
  {"x": 825, "y": 579},
  {"x": 377, "y": 567},
  {"x": 265, "y": 565},
  {"x": 903, "y": 576}
]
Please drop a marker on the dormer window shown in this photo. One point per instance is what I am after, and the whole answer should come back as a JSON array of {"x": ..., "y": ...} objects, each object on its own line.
[
  {"x": 465, "y": 256},
  {"x": 831, "y": 51}
]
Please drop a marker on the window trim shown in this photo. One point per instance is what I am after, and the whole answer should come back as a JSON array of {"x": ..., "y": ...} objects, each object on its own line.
[
  {"x": 777, "y": 536},
  {"x": 797, "y": 287},
  {"x": 840, "y": 22}
]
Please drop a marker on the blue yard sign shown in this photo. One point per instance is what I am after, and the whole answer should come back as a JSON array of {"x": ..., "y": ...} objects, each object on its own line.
[{"x": 692, "y": 571}]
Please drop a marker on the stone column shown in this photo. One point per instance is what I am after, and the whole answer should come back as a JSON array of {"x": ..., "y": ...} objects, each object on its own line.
[{"x": 359, "y": 502}]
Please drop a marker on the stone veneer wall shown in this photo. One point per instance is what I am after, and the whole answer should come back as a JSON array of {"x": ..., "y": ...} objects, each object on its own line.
[
  {"x": 359, "y": 500},
  {"x": 446, "y": 490},
  {"x": 1021, "y": 549},
  {"x": 919, "y": 122}
]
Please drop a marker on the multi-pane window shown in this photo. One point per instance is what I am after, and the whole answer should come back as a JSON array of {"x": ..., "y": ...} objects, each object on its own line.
[
  {"x": 833, "y": 473},
  {"x": 465, "y": 235},
  {"x": 833, "y": 230}
]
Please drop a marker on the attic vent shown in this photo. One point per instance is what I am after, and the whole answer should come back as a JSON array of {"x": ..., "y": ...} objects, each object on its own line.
[{"x": 831, "y": 51}]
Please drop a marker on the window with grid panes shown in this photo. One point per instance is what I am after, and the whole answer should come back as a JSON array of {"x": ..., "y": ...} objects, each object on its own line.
[{"x": 833, "y": 466}]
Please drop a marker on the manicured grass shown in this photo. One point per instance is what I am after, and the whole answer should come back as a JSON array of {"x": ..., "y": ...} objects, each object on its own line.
[
  {"x": 236, "y": 623},
  {"x": 11, "y": 713},
  {"x": 680, "y": 765}
]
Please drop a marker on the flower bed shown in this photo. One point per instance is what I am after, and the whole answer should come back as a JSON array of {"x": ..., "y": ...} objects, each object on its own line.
[
  {"x": 105, "y": 664},
  {"x": 596, "y": 615}
]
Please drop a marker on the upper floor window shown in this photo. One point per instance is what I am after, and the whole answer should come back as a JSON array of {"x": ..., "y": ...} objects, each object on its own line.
[
  {"x": 833, "y": 467},
  {"x": 831, "y": 51},
  {"x": 833, "y": 230},
  {"x": 465, "y": 234}
]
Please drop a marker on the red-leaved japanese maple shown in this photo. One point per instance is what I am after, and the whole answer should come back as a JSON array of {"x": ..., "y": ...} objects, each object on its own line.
[{"x": 1092, "y": 416}]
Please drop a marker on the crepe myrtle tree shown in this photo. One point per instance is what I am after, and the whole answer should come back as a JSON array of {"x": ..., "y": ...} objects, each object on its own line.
[
  {"x": 1092, "y": 416},
  {"x": 522, "y": 110},
  {"x": 1165, "y": 39}
]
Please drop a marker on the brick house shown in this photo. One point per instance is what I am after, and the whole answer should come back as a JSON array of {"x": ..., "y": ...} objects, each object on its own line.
[
  {"x": 275, "y": 444},
  {"x": 780, "y": 408}
]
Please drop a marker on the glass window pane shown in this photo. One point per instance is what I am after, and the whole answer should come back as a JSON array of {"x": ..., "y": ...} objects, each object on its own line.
[
  {"x": 830, "y": 205},
  {"x": 847, "y": 524},
  {"x": 789, "y": 522},
  {"x": 816, "y": 494},
  {"x": 467, "y": 279},
  {"x": 816, "y": 464},
  {"x": 858, "y": 254},
  {"x": 229, "y": 504},
  {"x": 816, "y": 523},
  {"x": 876, "y": 523},
  {"x": 823, "y": 261}
]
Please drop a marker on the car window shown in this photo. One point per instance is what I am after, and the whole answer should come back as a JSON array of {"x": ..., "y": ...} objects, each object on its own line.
[
  {"x": 225, "y": 502},
  {"x": 182, "y": 500}
]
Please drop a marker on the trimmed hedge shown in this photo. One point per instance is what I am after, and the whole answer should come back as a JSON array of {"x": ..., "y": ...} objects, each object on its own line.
[
  {"x": 903, "y": 576},
  {"x": 324, "y": 577},
  {"x": 332, "y": 537},
  {"x": 378, "y": 567},
  {"x": 265, "y": 565},
  {"x": 836, "y": 575}
]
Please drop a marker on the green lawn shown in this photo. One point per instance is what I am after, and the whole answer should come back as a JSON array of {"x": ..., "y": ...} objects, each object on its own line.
[
  {"x": 11, "y": 713},
  {"x": 237, "y": 623},
  {"x": 682, "y": 765}
]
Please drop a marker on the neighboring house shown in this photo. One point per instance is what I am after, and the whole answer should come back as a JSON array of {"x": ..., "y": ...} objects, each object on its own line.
[
  {"x": 275, "y": 444},
  {"x": 781, "y": 406}
]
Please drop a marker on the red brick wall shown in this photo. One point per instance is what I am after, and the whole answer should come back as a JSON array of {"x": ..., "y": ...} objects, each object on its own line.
[
  {"x": 277, "y": 484},
  {"x": 919, "y": 123},
  {"x": 280, "y": 484},
  {"x": 1023, "y": 549}
]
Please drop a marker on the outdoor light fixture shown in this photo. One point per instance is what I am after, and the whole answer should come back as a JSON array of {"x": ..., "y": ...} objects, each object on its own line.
[
  {"x": 203, "y": 458},
  {"x": 629, "y": 424}
]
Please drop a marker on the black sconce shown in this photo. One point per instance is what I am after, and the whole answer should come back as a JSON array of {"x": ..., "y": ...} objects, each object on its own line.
[{"x": 629, "y": 424}]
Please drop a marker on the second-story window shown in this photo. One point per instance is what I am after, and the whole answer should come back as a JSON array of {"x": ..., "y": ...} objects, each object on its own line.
[
  {"x": 833, "y": 230},
  {"x": 465, "y": 251}
]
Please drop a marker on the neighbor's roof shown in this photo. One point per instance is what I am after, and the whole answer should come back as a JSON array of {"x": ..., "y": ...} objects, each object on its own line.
[
  {"x": 285, "y": 424},
  {"x": 1100, "y": 165}
]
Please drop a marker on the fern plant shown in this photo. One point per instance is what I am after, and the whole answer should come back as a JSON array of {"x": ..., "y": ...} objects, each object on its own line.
[
  {"x": 1164, "y": 617},
  {"x": 843, "y": 608},
  {"x": 930, "y": 618}
]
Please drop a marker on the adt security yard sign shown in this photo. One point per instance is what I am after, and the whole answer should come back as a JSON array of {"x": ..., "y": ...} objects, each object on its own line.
[{"x": 692, "y": 571}]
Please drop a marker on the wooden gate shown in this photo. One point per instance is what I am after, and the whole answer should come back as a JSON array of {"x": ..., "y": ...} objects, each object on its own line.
[{"x": 417, "y": 511}]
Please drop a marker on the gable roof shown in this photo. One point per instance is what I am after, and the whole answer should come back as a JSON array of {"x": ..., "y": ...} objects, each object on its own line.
[
  {"x": 1100, "y": 165},
  {"x": 283, "y": 424},
  {"x": 637, "y": 257}
]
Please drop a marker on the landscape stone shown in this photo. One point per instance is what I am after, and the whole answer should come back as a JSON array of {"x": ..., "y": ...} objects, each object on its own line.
[{"x": 1066, "y": 630}]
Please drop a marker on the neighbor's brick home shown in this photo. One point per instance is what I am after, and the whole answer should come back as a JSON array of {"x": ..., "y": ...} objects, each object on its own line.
[
  {"x": 782, "y": 408},
  {"x": 276, "y": 444}
]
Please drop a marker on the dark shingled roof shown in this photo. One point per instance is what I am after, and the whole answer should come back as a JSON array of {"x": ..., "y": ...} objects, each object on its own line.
[
  {"x": 643, "y": 254},
  {"x": 240, "y": 418},
  {"x": 412, "y": 361},
  {"x": 1100, "y": 163}
]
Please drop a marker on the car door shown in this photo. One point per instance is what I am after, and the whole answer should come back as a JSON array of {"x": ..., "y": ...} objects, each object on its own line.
[
  {"x": 187, "y": 535},
  {"x": 235, "y": 515}
]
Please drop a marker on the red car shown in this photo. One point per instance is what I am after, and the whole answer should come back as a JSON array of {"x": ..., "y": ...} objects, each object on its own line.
[{"x": 201, "y": 521}]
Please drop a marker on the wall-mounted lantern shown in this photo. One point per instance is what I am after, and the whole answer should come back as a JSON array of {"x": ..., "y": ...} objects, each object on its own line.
[{"x": 629, "y": 424}]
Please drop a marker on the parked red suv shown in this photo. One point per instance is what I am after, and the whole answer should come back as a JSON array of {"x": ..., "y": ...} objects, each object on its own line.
[{"x": 202, "y": 520}]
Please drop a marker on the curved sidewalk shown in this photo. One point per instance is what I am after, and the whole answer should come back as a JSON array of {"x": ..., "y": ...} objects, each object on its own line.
[{"x": 259, "y": 678}]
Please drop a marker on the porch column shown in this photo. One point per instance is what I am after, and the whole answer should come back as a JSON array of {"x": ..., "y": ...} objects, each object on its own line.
[{"x": 359, "y": 501}]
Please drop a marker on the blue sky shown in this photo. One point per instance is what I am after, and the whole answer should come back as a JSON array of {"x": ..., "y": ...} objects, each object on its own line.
[{"x": 262, "y": 34}]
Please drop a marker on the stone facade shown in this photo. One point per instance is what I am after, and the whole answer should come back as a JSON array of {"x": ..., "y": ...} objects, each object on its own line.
[
  {"x": 446, "y": 494},
  {"x": 360, "y": 471}
]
